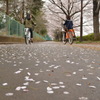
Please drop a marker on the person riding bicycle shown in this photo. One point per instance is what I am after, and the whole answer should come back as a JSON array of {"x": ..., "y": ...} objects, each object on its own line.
[
  {"x": 30, "y": 24},
  {"x": 68, "y": 26}
]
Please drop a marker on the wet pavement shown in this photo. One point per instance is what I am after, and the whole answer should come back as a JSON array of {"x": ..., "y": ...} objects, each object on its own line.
[{"x": 49, "y": 71}]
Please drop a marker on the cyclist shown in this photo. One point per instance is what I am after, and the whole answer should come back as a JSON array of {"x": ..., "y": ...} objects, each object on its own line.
[
  {"x": 29, "y": 24},
  {"x": 68, "y": 26}
]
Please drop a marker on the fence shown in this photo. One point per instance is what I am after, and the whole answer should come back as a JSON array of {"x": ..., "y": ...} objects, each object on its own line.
[
  {"x": 38, "y": 37},
  {"x": 9, "y": 26}
]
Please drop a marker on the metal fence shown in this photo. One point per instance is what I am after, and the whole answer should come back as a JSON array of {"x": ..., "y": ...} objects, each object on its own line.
[
  {"x": 38, "y": 37},
  {"x": 9, "y": 26}
]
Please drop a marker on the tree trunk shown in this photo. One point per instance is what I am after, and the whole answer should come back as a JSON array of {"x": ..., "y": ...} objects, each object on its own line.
[
  {"x": 81, "y": 22},
  {"x": 96, "y": 20},
  {"x": 7, "y": 7}
]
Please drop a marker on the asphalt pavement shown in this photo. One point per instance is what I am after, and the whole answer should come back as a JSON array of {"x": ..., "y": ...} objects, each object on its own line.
[{"x": 49, "y": 71}]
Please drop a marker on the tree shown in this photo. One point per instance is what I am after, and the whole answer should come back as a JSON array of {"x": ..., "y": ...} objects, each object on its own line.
[
  {"x": 41, "y": 24},
  {"x": 96, "y": 20},
  {"x": 15, "y": 8},
  {"x": 57, "y": 34},
  {"x": 81, "y": 22},
  {"x": 34, "y": 6},
  {"x": 7, "y": 5},
  {"x": 18, "y": 9},
  {"x": 68, "y": 7},
  {"x": 63, "y": 8}
]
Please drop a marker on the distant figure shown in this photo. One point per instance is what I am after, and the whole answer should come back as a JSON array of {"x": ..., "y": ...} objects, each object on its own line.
[
  {"x": 30, "y": 24},
  {"x": 68, "y": 26}
]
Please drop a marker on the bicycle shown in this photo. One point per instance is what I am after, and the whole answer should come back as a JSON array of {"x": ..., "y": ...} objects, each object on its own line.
[
  {"x": 69, "y": 36},
  {"x": 27, "y": 36}
]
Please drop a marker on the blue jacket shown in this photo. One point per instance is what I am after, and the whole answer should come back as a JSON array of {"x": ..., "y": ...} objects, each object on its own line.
[{"x": 69, "y": 24}]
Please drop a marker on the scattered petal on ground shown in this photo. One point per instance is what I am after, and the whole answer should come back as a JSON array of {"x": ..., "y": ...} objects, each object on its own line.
[
  {"x": 92, "y": 86},
  {"x": 9, "y": 94},
  {"x": 83, "y": 98},
  {"x": 18, "y": 88},
  {"x": 4, "y": 84},
  {"x": 45, "y": 81},
  {"x": 90, "y": 73},
  {"x": 61, "y": 82},
  {"x": 56, "y": 87},
  {"x": 98, "y": 78},
  {"x": 48, "y": 70},
  {"x": 27, "y": 83},
  {"x": 84, "y": 78},
  {"x": 37, "y": 82},
  {"x": 53, "y": 83},
  {"x": 80, "y": 70},
  {"x": 17, "y": 72},
  {"x": 50, "y": 92},
  {"x": 62, "y": 86},
  {"x": 74, "y": 73},
  {"x": 49, "y": 88},
  {"x": 65, "y": 92},
  {"x": 36, "y": 74},
  {"x": 78, "y": 84},
  {"x": 68, "y": 61},
  {"x": 28, "y": 73}
]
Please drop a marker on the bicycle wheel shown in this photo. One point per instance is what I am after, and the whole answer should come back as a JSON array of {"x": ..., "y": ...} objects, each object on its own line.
[
  {"x": 64, "y": 38},
  {"x": 25, "y": 39},
  {"x": 70, "y": 40},
  {"x": 27, "y": 36}
]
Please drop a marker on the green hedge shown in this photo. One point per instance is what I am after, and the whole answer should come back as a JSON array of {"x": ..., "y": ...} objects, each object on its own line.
[{"x": 89, "y": 37}]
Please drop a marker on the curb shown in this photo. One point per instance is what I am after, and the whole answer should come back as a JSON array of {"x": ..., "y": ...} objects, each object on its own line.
[{"x": 11, "y": 39}]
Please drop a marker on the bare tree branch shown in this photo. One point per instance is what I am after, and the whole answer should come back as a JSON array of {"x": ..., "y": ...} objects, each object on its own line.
[{"x": 59, "y": 6}]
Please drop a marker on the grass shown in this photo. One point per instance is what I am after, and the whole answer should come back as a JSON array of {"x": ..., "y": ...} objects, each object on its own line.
[{"x": 88, "y": 42}]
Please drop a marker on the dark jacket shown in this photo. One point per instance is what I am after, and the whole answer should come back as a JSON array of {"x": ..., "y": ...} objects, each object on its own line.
[
  {"x": 29, "y": 24},
  {"x": 68, "y": 24}
]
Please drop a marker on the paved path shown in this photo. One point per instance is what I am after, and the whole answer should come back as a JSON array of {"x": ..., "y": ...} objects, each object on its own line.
[
  {"x": 49, "y": 71},
  {"x": 89, "y": 46}
]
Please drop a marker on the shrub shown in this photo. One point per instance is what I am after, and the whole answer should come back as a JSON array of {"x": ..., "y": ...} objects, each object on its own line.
[{"x": 89, "y": 37}]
